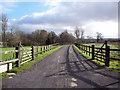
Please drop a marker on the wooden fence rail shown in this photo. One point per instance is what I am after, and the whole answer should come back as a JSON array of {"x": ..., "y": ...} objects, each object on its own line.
[
  {"x": 100, "y": 54},
  {"x": 25, "y": 55}
]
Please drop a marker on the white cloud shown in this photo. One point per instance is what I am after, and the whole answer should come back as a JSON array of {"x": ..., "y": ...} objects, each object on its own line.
[
  {"x": 38, "y": 14},
  {"x": 13, "y": 20},
  {"x": 76, "y": 13},
  {"x": 107, "y": 28},
  {"x": 23, "y": 17}
]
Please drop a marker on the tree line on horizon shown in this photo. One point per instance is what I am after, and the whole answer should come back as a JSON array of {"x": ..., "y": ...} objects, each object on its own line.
[{"x": 38, "y": 37}]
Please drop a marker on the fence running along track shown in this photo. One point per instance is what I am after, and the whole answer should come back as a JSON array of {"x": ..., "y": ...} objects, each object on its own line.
[
  {"x": 99, "y": 53},
  {"x": 24, "y": 55}
]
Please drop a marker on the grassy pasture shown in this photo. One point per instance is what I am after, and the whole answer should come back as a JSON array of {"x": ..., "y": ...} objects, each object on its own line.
[
  {"x": 10, "y": 56},
  {"x": 112, "y": 45}
]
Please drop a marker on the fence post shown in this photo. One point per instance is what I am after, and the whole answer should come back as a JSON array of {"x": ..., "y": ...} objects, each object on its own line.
[
  {"x": 41, "y": 49},
  {"x": 47, "y": 48},
  {"x": 107, "y": 55},
  {"x": 32, "y": 52},
  {"x": 18, "y": 56},
  {"x": 37, "y": 50},
  {"x": 105, "y": 44},
  {"x": 8, "y": 67},
  {"x": 86, "y": 49},
  {"x": 44, "y": 49},
  {"x": 93, "y": 52},
  {"x": 89, "y": 50}
]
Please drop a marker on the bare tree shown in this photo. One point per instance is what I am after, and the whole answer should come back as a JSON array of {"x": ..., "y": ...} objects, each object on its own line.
[
  {"x": 12, "y": 37},
  {"x": 82, "y": 35},
  {"x": 12, "y": 29},
  {"x": 4, "y": 28},
  {"x": 77, "y": 33},
  {"x": 99, "y": 36}
]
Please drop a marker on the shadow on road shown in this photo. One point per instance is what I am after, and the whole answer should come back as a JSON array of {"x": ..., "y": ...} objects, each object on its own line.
[
  {"x": 90, "y": 68},
  {"x": 87, "y": 72}
]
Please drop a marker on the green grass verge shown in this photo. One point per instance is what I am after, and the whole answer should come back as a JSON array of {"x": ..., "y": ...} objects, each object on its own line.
[
  {"x": 114, "y": 65},
  {"x": 82, "y": 53},
  {"x": 27, "y": 65}
]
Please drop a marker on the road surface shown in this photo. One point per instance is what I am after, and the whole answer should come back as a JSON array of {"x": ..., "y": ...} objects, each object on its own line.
[{"x": 65, "y": 68}]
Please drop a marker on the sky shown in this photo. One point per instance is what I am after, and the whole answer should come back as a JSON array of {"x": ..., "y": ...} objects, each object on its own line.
[{"x": 59, "y": 15}]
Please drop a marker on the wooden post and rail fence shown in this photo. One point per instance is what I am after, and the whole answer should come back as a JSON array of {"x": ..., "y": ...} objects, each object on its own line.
[
  {"x": 99, "y": 53},
  {"x": 25, "y": 55}
]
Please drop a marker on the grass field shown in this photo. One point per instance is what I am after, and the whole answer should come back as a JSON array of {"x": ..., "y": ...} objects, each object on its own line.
[
  {"x": 10, "y": 56},
  {"x": 112, "y": 45},
  {"x": 114, "y": 64}
]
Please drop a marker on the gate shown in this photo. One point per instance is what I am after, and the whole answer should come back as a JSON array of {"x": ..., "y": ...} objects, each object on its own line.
[
  {"x": 98, "y": 53},
  {"x": 101, "y": 54},
  {"x": 25, "y": 55}
]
